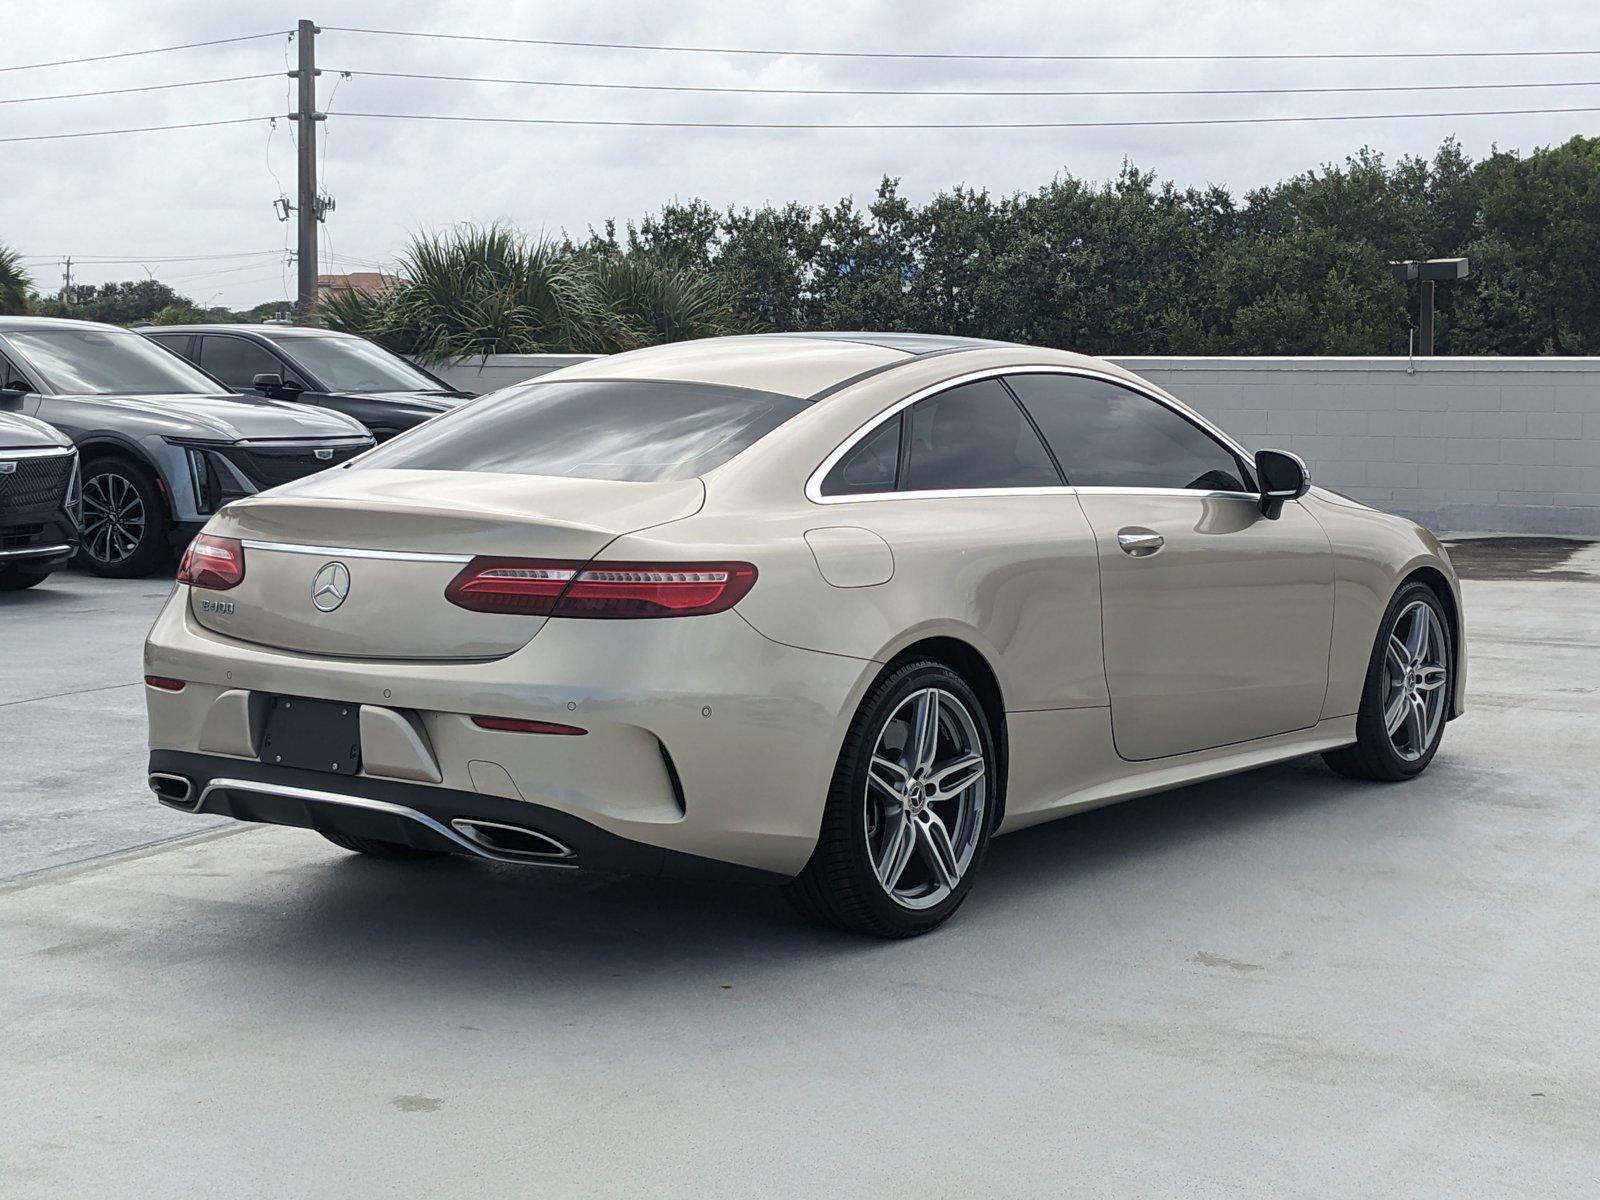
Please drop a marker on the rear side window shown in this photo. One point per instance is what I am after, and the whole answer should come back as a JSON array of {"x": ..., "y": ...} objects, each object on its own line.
[
  {"x": 1108, "y": 436},
  {"x": 635, "y": 431},
  {"x": 870, "y": 466},
  {"x": 973, "y": 436}
]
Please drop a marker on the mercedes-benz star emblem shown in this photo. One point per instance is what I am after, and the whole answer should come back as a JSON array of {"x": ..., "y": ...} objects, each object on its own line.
[{"x": 330, "y": 585}]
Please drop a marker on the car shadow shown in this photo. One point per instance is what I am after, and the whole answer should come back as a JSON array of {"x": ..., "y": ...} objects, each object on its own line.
[{"x": 472, "y": 926}]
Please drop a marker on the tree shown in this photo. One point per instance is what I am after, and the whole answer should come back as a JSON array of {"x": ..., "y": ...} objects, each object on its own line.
[
  {"x": 15, "y": 283},
  {"x": 123, "y": 303},
  {"x": 486, "y": 290},
  {"x": 1543, "y": 214}
]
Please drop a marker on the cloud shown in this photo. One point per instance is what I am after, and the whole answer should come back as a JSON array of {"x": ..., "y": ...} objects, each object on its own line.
[{"x": 211, "y": 190}]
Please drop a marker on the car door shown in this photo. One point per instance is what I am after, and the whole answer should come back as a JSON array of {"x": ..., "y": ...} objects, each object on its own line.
[
  {"x": 237, "y": 361},
  {"x": 1216, "y": 619},
  {"x": 27, "y": 402},
  {"x": 982, "y": 532}
]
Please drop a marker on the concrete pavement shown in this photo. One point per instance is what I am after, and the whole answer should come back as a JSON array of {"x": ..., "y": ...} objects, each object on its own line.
[{"x": 1281, "y": 984}]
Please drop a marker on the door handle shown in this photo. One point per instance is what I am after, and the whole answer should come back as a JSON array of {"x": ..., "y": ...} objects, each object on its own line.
[{"x": 1139, "y": 542}]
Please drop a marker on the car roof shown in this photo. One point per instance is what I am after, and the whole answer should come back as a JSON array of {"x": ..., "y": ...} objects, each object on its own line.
[
  {"x": 268, "y": 331},
  {"x": 16, "y": 324},
  {"x": 801, "y": 365}
]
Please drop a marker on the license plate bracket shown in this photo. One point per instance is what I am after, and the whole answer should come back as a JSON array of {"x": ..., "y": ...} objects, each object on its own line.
[{"x": 314, "y": 735}]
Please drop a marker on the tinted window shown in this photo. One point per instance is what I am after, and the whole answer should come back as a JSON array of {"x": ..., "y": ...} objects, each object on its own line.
[
  {"x": 593, "y": 429},
  {"x": 90, "y": 361},
  {"x": 1107, "y": 436},
  {"x": 973, "y": 436},
  {"x": 346, "y": 364},
  {"x": 237, "y": 361},
  {"x": 870, "y": 466}
]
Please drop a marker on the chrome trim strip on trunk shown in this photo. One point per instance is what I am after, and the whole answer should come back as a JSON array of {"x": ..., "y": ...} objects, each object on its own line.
[
  {"x": 350, "y": 552},
  {"x": 382, "y": 806}
]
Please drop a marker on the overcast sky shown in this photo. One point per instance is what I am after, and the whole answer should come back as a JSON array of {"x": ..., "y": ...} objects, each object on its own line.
[{"x": 210, "y": 191}]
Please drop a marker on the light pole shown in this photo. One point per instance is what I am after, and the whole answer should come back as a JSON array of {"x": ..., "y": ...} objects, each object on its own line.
[{"x": 1427, "y": 272}]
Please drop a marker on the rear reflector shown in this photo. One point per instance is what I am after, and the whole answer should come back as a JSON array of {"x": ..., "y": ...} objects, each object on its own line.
[
  {"x": 162, "y": 683},
  {"x": 212, "y": 562},
  {"x": 518, "y": 725},
  {"x": 617, "y": 590}
]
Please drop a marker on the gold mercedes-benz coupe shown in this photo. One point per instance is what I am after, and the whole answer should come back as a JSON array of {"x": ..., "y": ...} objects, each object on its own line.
[{"x": 831, "y": 610}]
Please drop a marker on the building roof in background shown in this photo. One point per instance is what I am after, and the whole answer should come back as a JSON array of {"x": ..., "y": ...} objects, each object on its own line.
[{"x": 356, "y": 281}]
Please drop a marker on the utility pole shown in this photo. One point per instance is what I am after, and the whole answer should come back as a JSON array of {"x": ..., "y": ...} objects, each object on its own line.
[
  {"x": 307, "y": 209},
  {"x": 66, "y": 280}
]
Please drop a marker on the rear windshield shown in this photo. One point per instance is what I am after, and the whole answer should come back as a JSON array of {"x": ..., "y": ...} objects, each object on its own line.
[{"x": 639, "y": 432}]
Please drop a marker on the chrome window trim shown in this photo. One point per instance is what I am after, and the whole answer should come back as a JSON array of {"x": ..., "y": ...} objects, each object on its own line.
[
  {"x": 351, "y": 552},
  {"x": 814, "y": 482},
  {"x": 1096, "y": 490}
]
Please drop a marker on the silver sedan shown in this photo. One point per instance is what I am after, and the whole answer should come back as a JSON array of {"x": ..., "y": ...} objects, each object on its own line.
[{"x": 831, "y": 610}]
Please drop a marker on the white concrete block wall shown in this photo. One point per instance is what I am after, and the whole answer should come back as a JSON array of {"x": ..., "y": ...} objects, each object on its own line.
[{"x": 1461, "y": 444}]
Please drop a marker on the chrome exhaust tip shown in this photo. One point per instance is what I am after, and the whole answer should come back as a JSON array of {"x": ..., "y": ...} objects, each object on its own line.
[
  {"x": 512, "y": 841},
  {"x": 175, "y": 791}
]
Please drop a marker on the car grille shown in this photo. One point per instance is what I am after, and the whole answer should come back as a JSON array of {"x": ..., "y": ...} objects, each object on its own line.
[
  {"x": 36, "y": 489},
  {"x": 267, "y": 466},
  {"x": 20, "y": 537}
]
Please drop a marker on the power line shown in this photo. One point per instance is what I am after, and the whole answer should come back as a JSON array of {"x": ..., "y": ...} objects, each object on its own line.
[
  {"x": 997, "y": 125},
  {"x": 103, "y": 259},
  {"x": 802, "y": 91},
  {"x": 89, "y": 133},
  {"x": 149, "y": 87},
  {"x": 69, "y": 62},
  {"x": 847, "y": 125},
  {"x": 901, "y": 54}
]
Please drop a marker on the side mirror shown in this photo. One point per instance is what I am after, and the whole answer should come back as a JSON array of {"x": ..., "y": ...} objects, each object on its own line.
[
  {"x": 1283, "y": 477},
  {"x": 270, "y": 383},
  {"x": 14, "y": 389}
]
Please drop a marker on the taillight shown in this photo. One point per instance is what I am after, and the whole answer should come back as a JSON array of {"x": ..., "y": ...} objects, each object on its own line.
[
  {"x": 615, "y": 590},
  {"x": 511, "y": 585},
  {"x": 212, "y": 562}
]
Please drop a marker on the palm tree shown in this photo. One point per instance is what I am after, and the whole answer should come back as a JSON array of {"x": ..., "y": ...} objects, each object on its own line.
[
  {"x": 473, "y": 290},
  {"x": 489, "y": 290},
  {"x": 642, "y": 301},
  {"x": 15, "y": 283}
]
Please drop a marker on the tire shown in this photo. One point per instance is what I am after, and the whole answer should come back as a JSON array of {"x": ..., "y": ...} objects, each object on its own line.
[
  {"x": 876, "y": 804},
  {"x": 14, "y": 579},
  {"x": 1414, "y": 683},
  {"x": 124, "y": 520},
  {"x": 374, "y": 848}
]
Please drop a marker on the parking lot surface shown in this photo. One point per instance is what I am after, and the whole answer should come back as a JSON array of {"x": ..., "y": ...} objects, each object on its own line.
[{"x": 1280, "y": 984}]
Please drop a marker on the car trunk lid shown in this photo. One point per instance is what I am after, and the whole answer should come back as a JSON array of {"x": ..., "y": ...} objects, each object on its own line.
[{"x": 354, "y": 563}]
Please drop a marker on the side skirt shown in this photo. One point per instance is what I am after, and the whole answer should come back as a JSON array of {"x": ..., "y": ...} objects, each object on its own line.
[{"x": 1072, "y": 748}]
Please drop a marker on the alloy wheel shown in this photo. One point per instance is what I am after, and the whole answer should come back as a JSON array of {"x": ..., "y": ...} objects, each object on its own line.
[
  {"x": 926, "y": 797},
  {"x": 1416, "y": 672},
  {"x": 114, "y": 517}
]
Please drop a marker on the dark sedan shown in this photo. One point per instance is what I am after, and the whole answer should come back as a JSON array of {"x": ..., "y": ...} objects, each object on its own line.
[{"x": 333, "y": 370}]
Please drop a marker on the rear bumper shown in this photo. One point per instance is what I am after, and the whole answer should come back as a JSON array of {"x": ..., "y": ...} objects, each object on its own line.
[
  {"x": 704, "y": 738},
  {"x": 428, "y": 818}
]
